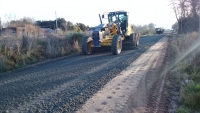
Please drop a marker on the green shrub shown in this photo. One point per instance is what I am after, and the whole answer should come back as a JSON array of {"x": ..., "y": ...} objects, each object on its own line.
[
  {"x": 191, "y": 87},
  {"x": 183, "y": 109}
]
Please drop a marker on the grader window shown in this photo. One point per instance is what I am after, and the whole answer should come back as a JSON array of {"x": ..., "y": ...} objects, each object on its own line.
[
  {"x": 122, "y": 17},
  {"x": 112, "y": 18}
]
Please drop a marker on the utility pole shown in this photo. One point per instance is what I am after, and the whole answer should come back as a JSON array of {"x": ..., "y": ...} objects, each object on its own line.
[{"x": 56, "y": 23}]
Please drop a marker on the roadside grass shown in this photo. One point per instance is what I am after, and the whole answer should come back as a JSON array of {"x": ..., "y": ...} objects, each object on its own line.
[
  {"x": 185, "y": 53},
  {"x": 19, "y": 52}
]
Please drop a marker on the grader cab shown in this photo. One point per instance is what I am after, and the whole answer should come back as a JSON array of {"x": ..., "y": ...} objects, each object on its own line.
[{"x": 113, "y": 34}]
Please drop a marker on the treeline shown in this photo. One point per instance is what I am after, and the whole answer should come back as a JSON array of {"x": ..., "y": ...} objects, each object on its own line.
[
  {"x": 145, "y": 29},
  {"x": 68, "y": 25},
  {"x": 186, "y": 12},
  {"x": 62, "y": 24}
]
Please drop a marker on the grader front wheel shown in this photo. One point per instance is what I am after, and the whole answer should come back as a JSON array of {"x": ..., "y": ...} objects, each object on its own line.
[
  {"x": 116, "y": 45},
  {"x": 87, "y": 45}
]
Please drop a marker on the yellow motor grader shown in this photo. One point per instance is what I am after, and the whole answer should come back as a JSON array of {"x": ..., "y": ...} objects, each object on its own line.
[{"x": 113, "y": 34}]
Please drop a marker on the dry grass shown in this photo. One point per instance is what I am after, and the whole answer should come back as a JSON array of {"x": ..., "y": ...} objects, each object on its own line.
[
  {"x": 186, "y": 53},
  {"x": 3, "y": 66},
  {"x": 19, "y": 52}
]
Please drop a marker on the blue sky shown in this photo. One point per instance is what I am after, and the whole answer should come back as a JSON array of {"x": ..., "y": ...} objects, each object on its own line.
[{"x": 86, "y": 11}]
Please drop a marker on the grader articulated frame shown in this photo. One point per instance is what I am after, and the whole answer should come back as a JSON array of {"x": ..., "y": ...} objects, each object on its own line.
[{"x": 113, "y": 34}]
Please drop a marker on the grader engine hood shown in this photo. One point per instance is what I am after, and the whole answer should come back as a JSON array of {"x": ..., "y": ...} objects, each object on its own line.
[{"x": 97, "y": 35}]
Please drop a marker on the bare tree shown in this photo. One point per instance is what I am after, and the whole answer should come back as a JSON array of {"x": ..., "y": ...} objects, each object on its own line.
[
  {"x": 186, "y": 14},
  {"x": 194, "y": 7}
]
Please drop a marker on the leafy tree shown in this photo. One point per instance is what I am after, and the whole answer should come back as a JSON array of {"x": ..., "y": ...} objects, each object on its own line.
[
  {"x": 81, "y": 26},
  {"x": 151, "y": 27},
  {"x": 69, "y": 25},
  {"x": 52, "y": 24},
  {"x": 145, "y": 29},
  {"x": 62, "y": 24},
  {"x": 77, "y": 28}
]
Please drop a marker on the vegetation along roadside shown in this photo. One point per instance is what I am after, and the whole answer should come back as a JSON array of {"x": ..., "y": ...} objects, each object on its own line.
[{"x": 184, "y": 73}]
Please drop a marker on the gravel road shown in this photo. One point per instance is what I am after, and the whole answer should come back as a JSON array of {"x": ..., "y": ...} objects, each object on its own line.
[{"x": 63, "y": 85}]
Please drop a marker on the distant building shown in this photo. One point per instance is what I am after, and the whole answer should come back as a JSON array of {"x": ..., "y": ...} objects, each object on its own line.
[{"x": 13, "y": 31}]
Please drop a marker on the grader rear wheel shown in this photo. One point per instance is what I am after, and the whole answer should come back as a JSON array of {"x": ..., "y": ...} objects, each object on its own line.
[
  {"x": 137, "y": 43},
  {"x": 116, "y": 45},
  {"x": 137, "y": 36},
  {"x": 87, "y": 45},
  {"x": 134, "y": 38}
]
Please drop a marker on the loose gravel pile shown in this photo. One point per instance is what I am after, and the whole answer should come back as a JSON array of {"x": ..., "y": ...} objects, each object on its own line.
[{"x": 64, "y": 85}]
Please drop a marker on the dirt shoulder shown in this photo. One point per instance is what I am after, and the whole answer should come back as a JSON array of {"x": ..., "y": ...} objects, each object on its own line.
[{"x": 129, "y": 91}]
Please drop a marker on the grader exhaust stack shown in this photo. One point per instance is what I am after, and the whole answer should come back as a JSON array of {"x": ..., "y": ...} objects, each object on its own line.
[{"x": 100, "y": 18}]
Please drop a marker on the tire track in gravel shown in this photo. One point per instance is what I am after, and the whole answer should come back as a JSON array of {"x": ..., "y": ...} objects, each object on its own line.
[
  {"x": 112, "y": 98},
  {"x": 142, "y": 101},
  {"x": 157, "y": 101},
  {"x": 65, "y": 84},
  {"x": 60, "y": 88}
]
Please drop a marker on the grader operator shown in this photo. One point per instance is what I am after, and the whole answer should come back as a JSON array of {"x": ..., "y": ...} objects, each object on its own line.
[{"x": 113, "y": 34}]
